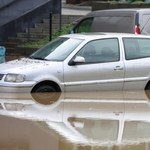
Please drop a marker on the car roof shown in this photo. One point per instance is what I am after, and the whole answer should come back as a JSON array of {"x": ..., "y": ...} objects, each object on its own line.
[
  {"x": 122, "y": 10},
  {"x": 96, "y": 35}
]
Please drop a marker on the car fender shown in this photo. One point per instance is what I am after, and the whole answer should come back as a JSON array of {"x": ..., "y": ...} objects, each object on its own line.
[{"x": 51, "y": 78}]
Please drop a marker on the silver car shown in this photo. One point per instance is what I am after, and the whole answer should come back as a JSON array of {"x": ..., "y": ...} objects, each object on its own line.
[{"x": 82, "y": 62}]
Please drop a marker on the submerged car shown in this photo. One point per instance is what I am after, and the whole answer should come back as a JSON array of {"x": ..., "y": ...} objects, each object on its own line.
[{"x": 82, "y": 62}]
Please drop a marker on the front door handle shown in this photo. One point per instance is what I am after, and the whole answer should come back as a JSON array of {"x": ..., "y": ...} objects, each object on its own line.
[{"x": 118, "y": 68}]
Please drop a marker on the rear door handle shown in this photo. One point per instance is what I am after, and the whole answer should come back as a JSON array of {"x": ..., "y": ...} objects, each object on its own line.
[{"x": 118, "y": 68}]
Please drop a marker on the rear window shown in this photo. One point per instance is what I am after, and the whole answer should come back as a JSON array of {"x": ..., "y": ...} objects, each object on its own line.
[
  {"x": 114, "y": 24},
  {"x": 136, "y": 48}
]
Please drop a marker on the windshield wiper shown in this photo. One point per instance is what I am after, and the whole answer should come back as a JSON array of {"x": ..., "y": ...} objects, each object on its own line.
[{"x": 39, "y": 58}]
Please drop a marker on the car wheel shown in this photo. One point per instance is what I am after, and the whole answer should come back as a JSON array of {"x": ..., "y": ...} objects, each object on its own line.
[
  {"x": 147, "y": 90},
  {"x": 45, "y": 94},
  {"x": 44, "y": 88}
]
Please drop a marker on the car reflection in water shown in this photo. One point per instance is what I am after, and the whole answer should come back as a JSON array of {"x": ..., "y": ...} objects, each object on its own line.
[{"x": 100, "y": 118}]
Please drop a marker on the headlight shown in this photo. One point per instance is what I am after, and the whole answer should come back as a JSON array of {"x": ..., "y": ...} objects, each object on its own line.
[{"x": 14, "y": 78}]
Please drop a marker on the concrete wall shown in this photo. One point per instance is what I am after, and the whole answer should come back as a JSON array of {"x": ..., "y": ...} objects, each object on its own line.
[
  {"x": 20, "y": 8},
  {"x": 4, "y": 3},
  {"x": 100, "y": 5},
  {"x": 26, "y": 20}
]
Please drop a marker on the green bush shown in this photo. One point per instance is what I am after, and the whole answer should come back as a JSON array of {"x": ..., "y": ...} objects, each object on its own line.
[{"x": 37, "y": 44}]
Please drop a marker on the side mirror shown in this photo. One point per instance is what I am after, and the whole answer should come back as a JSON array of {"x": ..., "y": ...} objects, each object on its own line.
[{"x": 77, "y": 60}]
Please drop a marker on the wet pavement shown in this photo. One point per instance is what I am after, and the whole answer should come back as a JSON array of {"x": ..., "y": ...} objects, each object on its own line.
[{"x": 75, "y": 121}]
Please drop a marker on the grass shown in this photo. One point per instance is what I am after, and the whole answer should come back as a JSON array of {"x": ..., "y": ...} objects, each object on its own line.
[{"x": 37, "y": 44}]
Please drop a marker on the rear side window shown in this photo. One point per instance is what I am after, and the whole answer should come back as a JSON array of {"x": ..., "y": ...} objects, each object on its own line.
[
  {"x": 84, "y": 26},
  {"x": 136, "y": 48},
  {"x": 114, "y": 24}
]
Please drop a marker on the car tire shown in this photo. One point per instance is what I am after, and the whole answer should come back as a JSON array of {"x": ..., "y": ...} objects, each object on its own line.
[
  {"x": 147, "y": 90},
  {"x": 45, "y": 94},
  {"x": 44, "y": 88}
]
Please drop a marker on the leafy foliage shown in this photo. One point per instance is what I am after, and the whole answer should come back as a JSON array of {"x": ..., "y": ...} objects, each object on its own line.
[{"x": 37, "y": 44}]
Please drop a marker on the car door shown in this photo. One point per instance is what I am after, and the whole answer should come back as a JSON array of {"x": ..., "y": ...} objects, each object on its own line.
[
  {"x": 102, "y": 69},
  {"x": 137, "y": 58}
]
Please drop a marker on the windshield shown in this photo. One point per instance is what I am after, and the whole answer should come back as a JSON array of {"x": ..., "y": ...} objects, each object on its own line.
[{"x": 56, "y": 50}]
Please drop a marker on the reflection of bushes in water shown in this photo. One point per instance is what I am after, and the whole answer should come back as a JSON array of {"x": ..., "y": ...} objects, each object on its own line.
[{"x": 46, "y": 98}]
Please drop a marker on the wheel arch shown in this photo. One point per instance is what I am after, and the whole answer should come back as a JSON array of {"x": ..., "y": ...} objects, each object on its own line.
[
  {"x": 47, "y": 82},
  {"x": 147, "y": 87}
]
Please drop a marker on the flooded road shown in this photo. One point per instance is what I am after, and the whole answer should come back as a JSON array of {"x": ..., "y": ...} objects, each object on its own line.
[
  {"x": 17, "y": 134},
  {"x": 75, "y": 121}
]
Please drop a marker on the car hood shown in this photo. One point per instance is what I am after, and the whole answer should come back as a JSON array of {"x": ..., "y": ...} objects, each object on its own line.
[{"x": 20, "y": 65}]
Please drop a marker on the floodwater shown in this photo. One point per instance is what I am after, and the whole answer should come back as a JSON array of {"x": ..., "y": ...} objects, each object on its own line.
[{"x": 116, "y": 120}]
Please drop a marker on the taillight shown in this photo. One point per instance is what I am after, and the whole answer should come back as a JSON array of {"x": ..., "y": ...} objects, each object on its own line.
[{"x": 137, "y": 30}]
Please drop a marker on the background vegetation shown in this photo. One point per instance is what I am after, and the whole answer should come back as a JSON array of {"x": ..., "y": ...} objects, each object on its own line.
[{"x": 37, "y": 44}]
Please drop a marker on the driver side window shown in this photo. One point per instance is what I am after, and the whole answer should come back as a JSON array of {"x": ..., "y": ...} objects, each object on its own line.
[{"x": 99, "y": 51}]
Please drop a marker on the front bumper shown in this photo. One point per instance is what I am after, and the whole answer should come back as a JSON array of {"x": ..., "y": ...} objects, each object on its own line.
[{"x": 9, "y": 87}]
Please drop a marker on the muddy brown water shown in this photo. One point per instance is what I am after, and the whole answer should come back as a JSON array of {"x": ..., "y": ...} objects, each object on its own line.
[{"x": 76, "y": 121}]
